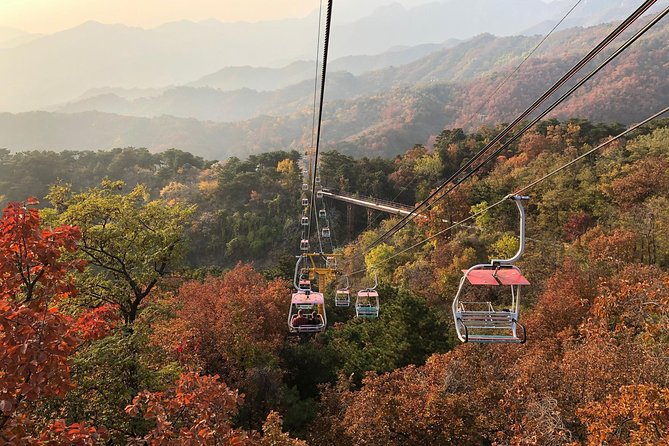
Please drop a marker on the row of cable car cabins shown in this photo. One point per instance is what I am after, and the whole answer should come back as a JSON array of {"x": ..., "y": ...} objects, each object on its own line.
[
  {"x": 479, "y": 311},
  {"x": 307, "y": 307}
]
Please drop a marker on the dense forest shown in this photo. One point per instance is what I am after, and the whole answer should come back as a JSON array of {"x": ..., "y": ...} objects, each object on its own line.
[{"x": 143, "y": 298}]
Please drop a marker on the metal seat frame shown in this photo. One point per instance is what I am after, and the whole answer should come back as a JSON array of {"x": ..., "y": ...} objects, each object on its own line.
[
  {"x": 480, "y": 322},
  {"x": 368, "y": 310},
  {"x": 343, "y": 296},
  {"x": 305, "y": 298}
]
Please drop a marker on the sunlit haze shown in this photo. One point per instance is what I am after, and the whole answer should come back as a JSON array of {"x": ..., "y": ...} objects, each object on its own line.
[{"x": 47, "y": 16}]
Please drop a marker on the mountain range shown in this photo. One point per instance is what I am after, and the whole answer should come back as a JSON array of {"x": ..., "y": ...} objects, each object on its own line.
[
  {"x": 60, "y": 67},
  {"x": 380, "y": 104}
]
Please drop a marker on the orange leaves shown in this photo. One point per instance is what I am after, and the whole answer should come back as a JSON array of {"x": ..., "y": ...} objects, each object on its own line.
[
  {"x": 645, "y": 178},
  {"x": 234, "y": 320},
  {"x": 197, "y": 411},
  {"x": 638, "y": 415}
]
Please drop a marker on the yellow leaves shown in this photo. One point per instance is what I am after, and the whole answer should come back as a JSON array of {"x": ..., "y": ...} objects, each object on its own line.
[
  {"x": 207, "y": 187},
  {"x": 286, "y": 166}
]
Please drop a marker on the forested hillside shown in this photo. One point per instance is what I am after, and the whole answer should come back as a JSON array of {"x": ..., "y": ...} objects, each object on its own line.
[
  {"x": 377, "y": 113},
  {"x": 144, "y": 298}
]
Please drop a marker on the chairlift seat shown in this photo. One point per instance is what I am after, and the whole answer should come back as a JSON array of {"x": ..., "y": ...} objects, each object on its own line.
[
  {"x": 342, "y": 298},
  {"x": 304, "y": 245},
  {"x": 322, "y": 213},
  {"x": 305, "y": 202},
  {"x": 367, "y": 304},
  {"x": 304, "y": 300},
  {"x": 305, "y": 221}
]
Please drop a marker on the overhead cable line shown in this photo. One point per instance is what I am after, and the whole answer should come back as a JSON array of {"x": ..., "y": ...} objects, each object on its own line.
[
  {"x": 522, "y": 189},
  {"x": 326, "y": 45},
  {"x": 491, "y": 96},
  {"x": 562, "y": 98},
  {"x": 513, "y": 73},
  {"x": 563, "y": 80}
]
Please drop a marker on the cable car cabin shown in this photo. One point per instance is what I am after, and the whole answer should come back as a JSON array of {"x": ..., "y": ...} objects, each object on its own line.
[
  {"x": 307, "y": 312},
  {"x": 481, "y": 309},
  {"x": 305, "y": 186},
  {"x": 305, "y": 202},
  {"x": 325, "y": 232},
  {"x": 305, "y": 221},
  {"x": 322, "y": 213},
  {"x": 319, "y": 194},
  {"x": 343, "y": 298},
  {"x": 367, "y": 304},
  {"x": 304, "y": 245}
]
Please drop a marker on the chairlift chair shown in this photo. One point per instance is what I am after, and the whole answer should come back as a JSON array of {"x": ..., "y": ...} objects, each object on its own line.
[
  {"x": 304, "y": 245},
  {"x": 485, "y": 321},
  {"x": 325, "y": 233},
  {"x": 331, "y": 262},
  {"x": 343, "y": 296},
  {"x": 318, "y": 180},
  {"x": 305, "y": 186},
  {"x": 307, "y": 308},
  {"x": 367, "y": 302},
  {"x": 319, "y": 194},
  {"x": 305, "y": 221},
  {"x": 305, "y": 202},
  {"x": 322, "y": 213}
]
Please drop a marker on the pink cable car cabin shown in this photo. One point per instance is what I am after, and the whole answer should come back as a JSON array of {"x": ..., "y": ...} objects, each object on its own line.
[{"x": 307, "y": 312}]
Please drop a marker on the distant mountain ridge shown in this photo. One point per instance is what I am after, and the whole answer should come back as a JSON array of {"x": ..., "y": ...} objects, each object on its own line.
[
  {"x": 40, "y": 74},
  {"x": 381, "y": 112}
]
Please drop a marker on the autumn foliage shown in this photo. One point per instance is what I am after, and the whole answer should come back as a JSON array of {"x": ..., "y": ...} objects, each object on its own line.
[{"x": 36, "y": 340}]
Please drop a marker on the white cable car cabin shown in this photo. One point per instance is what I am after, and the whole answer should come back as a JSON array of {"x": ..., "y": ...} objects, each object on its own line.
[
  {"x": 325, "y": 233},
  {"x": 305, "y": 221},
  {"x": 367, "y": 302},
  {"x": 343, "y": 296},
  {"x": 322, "y": 213},
  {"x": 305, "y": 202},
  {"x": 307, "y": 308},
  {"x": 479, "y": 320},
  {"x": 304, "y": 245}
]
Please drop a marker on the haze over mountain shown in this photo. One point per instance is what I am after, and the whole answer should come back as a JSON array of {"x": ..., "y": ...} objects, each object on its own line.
[
  {"x": 380, "y": 112},
  {"x": 58, "y": 68}
]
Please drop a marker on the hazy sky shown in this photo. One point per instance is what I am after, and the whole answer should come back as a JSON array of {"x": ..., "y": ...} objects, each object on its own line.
[{"x": 47, "y": 16}]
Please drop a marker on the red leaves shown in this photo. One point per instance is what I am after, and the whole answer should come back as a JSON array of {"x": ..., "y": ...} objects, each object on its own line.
[
  {"x": 229, "y": 320},
  {"x": 96, "y": 323},
  {"x": 30, "y": 257},
  {"x": 58, "y": 433},
  {"x": 35, "y": 340},
  {"x": 198, "y": 411}
]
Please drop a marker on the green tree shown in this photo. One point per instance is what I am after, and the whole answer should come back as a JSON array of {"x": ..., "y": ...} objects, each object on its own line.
[{"x": 129, "y": 241}]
